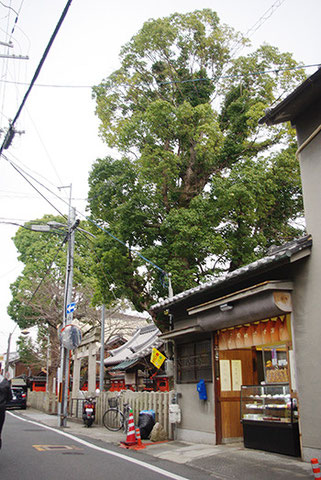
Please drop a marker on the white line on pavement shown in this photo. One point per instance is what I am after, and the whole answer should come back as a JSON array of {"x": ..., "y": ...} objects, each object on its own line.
[{"x": 105, "y": 450}]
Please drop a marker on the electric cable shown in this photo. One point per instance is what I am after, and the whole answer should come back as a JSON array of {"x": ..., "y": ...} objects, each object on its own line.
[
  {"x": 4, "y": 69},
  {"x": 8, "y": 6},
  {"x": 266, "y": 15},
  {"x": 47, "y": 84},
  {"x": 44, "y": 147},
  {"x": 87, "y": 218},
  {"x": 32, "y": 171},
  {"x": 30, "y": 183},
  {"x": 260, "y": 72},
  {"x": 10, "y": 132},
  {"x": 89, "y": 240},
  {"x": 10, "y": 43},
  {"x": 48, "y": 269}
]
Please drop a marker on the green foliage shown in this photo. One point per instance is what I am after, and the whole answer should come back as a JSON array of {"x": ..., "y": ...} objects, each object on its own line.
[
  {"x": 199, "y": 187},
  {"x": 38, "y": 292},
  {"x": 29, "y": 355}
]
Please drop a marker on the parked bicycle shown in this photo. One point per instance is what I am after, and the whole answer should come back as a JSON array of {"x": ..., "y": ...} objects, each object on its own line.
[{"x": 114, "y": 419}]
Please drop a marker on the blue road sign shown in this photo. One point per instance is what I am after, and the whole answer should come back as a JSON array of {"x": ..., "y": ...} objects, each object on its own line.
[{"x": 71, "y": 307}]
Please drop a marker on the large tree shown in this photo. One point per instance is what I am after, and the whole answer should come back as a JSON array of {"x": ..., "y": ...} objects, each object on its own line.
[
  {"x": 195, "y": 185},
  {"x": 38, "y": 292}
]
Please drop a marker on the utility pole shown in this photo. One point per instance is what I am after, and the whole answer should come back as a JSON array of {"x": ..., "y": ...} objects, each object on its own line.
[
  {"x": 6, "y": 370},
  {"x": 67, "y": 319},
  {"x": 102, "y": 349}
]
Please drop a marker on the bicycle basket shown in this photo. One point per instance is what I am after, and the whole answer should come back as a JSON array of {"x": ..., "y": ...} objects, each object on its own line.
[{"x": 112, "y": 402}]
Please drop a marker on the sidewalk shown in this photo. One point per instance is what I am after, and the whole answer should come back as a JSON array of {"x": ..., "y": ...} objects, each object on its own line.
[{"x": 225, "y": 461}]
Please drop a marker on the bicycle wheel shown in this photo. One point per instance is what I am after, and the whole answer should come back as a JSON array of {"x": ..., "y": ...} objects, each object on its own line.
[{"x": 113, "y": 419}]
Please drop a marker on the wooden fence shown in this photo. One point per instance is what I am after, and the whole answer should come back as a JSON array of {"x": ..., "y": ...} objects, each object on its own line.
[
  {"x": 138, "y": 401},
  {"x": 157, "y": 401}
]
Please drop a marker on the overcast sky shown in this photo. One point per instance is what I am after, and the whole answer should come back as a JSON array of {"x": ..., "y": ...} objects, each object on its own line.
[{"x": 60, "y": 140}]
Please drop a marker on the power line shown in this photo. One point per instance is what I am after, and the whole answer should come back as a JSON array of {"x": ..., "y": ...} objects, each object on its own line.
[
  {"x": 243, "y": 75},
  {"x": 45, "y": 148},
  {"x": 48, "y": 269},
  {"x": 47, "y": 85},
  {"x": 33, "y": 171},
  {"x": 266, "y": 15},
  {"x": 8, "y": 6},
  {"x": 10, "y": 133},
  {"x": 260, "y": 72},
  {"x": 135, "y": 252},
  {"x": 30, "y": 183}
]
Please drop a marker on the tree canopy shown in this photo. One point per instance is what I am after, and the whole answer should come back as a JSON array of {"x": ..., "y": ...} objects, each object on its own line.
[
  {"x": 195, "y": 185},
  {"x": 38, "y": 292}
]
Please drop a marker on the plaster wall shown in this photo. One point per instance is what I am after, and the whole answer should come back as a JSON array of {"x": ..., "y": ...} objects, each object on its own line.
[
  {"x": 307, "y": 299},
  {"x": 197, "y": 423}
]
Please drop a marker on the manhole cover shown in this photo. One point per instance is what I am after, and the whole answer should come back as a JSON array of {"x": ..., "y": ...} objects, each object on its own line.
[{"x": 56, "y": 448}]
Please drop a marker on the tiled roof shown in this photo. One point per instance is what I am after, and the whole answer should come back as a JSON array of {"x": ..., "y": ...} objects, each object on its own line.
[
  {"x": 124, "y": 365},
  {"x": 140, "y": 345},
  {"x": 276, "y": 255}
]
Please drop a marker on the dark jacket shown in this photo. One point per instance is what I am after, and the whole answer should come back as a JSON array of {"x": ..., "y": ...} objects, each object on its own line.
[{"x": 5, "y": 392}]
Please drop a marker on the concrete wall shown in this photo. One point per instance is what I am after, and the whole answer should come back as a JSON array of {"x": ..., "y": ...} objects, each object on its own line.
[
  {"x": 197, "y": 423},
  {"x": 46, "y": 402},
  {"x": 307, "y": 295}
]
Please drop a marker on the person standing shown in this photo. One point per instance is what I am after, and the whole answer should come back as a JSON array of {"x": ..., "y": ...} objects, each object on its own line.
[{"x": 5, "y": 396}]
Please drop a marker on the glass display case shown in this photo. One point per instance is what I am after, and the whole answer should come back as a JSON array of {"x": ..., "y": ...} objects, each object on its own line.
[
  {"x": 268, "y": 403},
  {"x": 269, "y": 416},
  {"x": 275, "y": 362}
]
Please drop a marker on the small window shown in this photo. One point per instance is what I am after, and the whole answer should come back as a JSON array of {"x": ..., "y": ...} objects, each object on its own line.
[{"x": 194, "y": 361}]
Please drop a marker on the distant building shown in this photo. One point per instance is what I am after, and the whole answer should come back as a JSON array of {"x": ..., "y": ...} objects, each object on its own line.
[
  {"x": 119, "y": 327},
  {"x": 129, "y": 366}
]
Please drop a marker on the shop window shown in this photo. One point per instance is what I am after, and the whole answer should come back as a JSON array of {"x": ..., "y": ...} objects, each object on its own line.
[
  {"x": 275, "y": 362},
  {"x": 194, "y": 362}
]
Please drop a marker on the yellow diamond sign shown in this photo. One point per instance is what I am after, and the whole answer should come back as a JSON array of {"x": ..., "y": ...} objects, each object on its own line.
[{"x": 157, "y": 358}]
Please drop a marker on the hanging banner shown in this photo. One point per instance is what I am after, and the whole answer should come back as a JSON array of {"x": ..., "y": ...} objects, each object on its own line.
[
  {"x": 266, "y": 332},
  {"x": 157, "y": 358}
]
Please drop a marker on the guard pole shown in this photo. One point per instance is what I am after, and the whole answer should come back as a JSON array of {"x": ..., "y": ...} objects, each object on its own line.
[{"x": 315, "y": 468}]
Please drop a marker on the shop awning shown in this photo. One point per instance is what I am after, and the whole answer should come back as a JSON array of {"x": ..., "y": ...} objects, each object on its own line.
[
  {"x": 245, "y": 293},
  {"x": 180, "y": 332},
  {"x": 268, "y": 299}
]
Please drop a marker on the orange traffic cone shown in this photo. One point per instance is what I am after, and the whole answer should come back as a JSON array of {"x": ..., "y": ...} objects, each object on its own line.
[
  {"x": 316, "y": 468},
  {"x": 131, "y": 437},
  {"x": 139, "y": 445},
  {"x": 139, "y": 438}
]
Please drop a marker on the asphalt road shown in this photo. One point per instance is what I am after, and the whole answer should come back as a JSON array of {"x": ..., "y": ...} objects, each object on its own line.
[{"x": 33, "y": 451}]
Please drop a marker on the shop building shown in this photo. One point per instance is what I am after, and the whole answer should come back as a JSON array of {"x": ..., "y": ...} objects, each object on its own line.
[
  {"x": 253, "y": 335},
  {"x": 233, "y": 332}
]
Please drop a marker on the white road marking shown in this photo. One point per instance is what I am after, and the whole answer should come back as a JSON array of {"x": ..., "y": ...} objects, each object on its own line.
[{"x": 165, "y": 473}]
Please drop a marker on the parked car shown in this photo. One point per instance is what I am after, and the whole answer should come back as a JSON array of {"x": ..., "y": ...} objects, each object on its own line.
[{"x": 19, "y": 398}]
